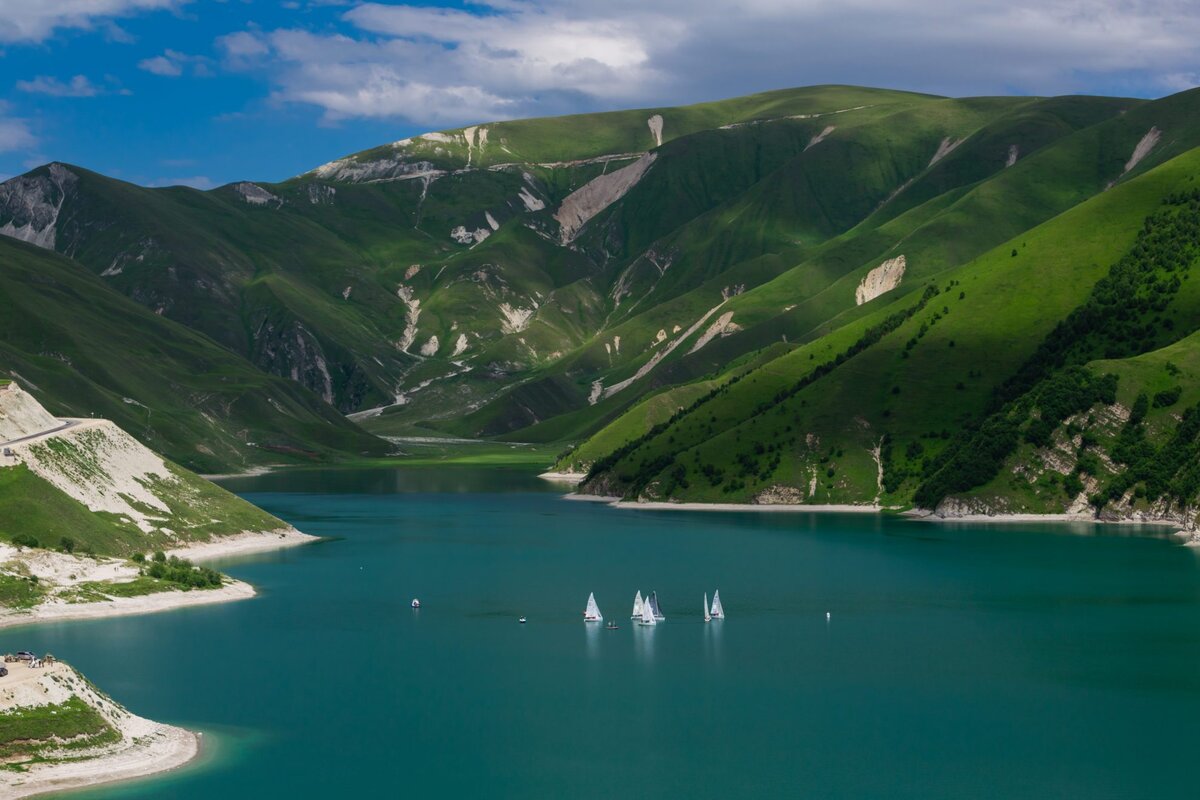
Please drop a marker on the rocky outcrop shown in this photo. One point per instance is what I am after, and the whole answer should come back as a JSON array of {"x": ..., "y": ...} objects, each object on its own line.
[
  {"x": 598, "y": 194},
  {"x": 21, "y": 415},
  {"x": 30, "y": 205},
  {"x": 1143, "y": 148},
  {"x": 779, "y": 495},
  {"x": 882, "y": 279},
  {"x": 255, "y": 195}
]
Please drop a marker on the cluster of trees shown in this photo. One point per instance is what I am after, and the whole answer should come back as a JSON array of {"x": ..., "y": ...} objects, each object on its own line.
[
  {"x": 179, "y": 571},
  {"x": 1126, "y": 314},
  {"x": 977, "y": 454},
  {"x": 1171, "y": 471}
]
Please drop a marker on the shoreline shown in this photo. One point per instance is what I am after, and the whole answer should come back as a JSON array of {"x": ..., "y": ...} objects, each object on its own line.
[
  {"x": 727, "y": 507},
  {"x": 230, "y": 547},
  {"x": 146, "y": 747},
  {"x": 250, "y": 473},
  {"x": 1192, "y": 537},
  {"x": 572, "y": 478}
]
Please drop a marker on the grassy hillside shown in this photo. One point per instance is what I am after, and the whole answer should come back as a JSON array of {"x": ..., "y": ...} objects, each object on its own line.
[
  {"x": 838, "y": 286},
  {"x": 85, "y": 350},
  {"x": 906, "y": 399}
]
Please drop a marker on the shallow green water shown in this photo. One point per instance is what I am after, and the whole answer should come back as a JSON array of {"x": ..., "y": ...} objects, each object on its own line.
[{"x": 983, "y": 661}]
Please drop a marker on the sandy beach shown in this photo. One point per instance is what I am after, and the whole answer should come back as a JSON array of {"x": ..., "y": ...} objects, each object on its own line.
[
  {"x": 243, "y": 544},
  {"x": 146, "y": 747}
]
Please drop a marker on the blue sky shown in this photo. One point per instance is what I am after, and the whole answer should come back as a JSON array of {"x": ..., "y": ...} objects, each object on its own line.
[{"x": 204, "y": 92}]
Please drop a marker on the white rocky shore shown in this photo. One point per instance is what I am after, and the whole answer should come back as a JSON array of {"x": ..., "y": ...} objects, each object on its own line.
[
  {"x": 145, "y": 747},
  {"x": 61, "y": 571}
]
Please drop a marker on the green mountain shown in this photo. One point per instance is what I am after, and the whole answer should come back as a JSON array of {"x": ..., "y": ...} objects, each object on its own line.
[
  {"x": 85, "y": 350},
  {"x": 827, "y": 294}
]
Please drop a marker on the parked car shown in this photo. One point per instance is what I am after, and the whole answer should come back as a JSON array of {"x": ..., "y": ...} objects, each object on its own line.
[
  {"x": 25, "y": 655},
  {"x": 3, "y": 671}
]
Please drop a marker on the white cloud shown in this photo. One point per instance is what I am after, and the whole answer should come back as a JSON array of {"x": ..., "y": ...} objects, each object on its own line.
[
  {"x": 14, "y": 132},
  {"x": 195, "y": 181},
  {"x": 79, "y": 86},
  {"x": 161, "y": 65},
  {"x": 172, "y": 63},
  {"x": 509, "y": 58},
  {"x": 25, "y": 21}
]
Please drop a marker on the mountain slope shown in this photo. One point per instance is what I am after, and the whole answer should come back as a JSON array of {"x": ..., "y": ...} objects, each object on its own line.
[
  {"x": 88, "y": 482},
  {"x": 864, "y": 413},
  {"x": 85, "y": 350},
  {"x": 550, "y": 280}
]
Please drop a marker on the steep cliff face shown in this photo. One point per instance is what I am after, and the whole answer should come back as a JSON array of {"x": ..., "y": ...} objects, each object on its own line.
[{"x": 30, "y": 204}]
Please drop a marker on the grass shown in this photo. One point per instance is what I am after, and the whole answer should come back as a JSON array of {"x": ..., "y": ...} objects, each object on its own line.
[
  {"x": 740, "y": 209},
  {"x": 931, "y": 374},
  {"x": 18, "y": 591},
  {"x": 28, "y": 733}
]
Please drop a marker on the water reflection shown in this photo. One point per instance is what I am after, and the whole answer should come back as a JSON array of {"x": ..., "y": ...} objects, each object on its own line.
[
  {"x": 593, "y": 632},
  {"x": 643, "y": 643},
  {"x": 712, "y": 641}
]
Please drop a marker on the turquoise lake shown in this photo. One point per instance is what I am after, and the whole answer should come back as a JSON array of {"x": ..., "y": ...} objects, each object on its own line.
[{"x": 981, "y": 661}]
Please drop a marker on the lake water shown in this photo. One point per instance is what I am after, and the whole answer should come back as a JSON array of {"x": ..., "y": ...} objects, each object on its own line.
[{"x": 959, "y": 661}]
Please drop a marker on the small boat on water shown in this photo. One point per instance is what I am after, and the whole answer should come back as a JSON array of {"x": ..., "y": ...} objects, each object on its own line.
[
  {"x": 652, "y": 601},
  {"x": 592, "y": 612},
  {"x": 416, "y": 603},
  {"x": 637, "y": 606},
  {"x": 707, "y": 616},
  {"x": 717, "y": 610},
  {"x": 611, "y": 626},
  {"x": 647, "y": 617}
]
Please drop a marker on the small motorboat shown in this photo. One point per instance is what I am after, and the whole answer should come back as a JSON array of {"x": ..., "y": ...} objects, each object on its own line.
[
  {"x": 611, "y": 626},
  {"x": 416, "y": 603},
  {"x": 521, "y": 620}
]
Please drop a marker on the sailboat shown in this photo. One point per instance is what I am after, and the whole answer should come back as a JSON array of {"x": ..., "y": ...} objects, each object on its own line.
[
  {"x": 707, "y": 616},
  {"x": 717, "y": 611},
  {"x": 592, "y": 613},
  {"x": 637, "y": 606},
  {"x": 647, "y": 617},
  {"x": 652, "y": 601}
]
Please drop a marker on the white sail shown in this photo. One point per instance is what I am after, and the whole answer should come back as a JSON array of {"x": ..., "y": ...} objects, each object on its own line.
[
  {"x": 637, "y": 606},
  {"x": 652, "y": 601},
  {"x": 592, "y": 614},
  {"x": 647, "y": 615},
  {"x": 717, "y": 611},
  {"x": 707, "y": 616}
]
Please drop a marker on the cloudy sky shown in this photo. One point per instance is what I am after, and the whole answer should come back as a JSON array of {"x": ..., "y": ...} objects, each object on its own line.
[{"x": 207, "y": 91}]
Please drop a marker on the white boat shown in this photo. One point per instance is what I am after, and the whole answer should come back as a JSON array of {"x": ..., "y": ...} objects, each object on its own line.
[
  {"x": 707, "y": 616},
  {"x": 637, "y": 606},
  {"x": 416, "y": 603},
  {"x": 521, "y": 620},
  {"x": 652, "y": 601},
  {"x": 647, "y": 617},
  {"x": 717, "y": 611},
  {"x": 592, "y": 613}
]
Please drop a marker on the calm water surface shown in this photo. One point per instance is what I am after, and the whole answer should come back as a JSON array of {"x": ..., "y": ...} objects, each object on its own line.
[{"x": 984, "y": 661}]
